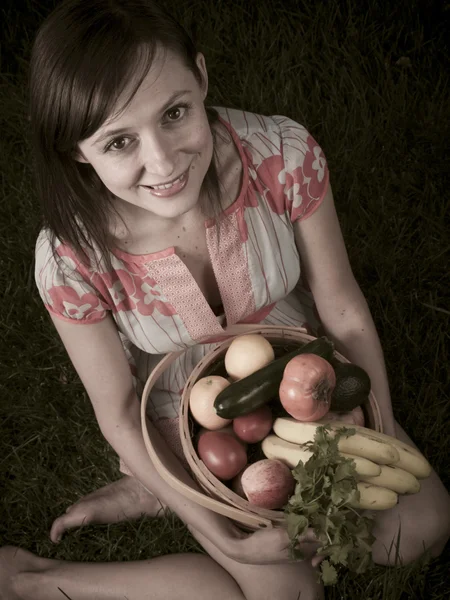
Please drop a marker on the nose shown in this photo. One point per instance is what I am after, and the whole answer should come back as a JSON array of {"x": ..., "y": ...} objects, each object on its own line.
[{"x": 158, "y": 156}]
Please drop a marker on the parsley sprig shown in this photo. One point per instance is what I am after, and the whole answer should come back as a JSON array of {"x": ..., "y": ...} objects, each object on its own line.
[{"x": 326, "y": 485}]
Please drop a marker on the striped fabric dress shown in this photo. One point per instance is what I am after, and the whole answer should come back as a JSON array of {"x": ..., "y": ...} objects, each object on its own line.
[{"x": 153, "y": 298}]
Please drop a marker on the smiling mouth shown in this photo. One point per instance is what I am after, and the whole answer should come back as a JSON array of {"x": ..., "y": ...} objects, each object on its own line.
[{"x": 167, "y": 186}]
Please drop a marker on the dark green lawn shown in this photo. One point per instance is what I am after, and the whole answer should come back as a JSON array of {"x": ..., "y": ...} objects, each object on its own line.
[{"x": 370, "y": 82}]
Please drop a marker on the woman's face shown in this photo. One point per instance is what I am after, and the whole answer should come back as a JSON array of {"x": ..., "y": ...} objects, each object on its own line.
[{"x": 157, "y": 139}]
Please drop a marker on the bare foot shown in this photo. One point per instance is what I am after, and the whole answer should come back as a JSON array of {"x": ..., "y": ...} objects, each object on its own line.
[{"x": 124, "y": 499}]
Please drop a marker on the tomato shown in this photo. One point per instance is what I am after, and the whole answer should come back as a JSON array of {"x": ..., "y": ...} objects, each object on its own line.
[
  {"x": 222, "y": 453},
  {"x": 306, "y": 388}
]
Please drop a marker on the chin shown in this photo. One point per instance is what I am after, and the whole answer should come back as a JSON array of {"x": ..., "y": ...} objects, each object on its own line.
[{"x": 173, "y": 209}]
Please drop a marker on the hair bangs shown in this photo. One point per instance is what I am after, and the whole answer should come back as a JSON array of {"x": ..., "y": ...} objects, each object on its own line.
[{"x": 98, "y": 86}]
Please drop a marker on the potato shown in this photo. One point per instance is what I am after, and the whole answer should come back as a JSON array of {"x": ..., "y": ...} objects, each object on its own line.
[{"x": 268, "y": 483}]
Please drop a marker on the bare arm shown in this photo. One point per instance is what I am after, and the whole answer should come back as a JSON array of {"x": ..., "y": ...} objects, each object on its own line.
[
  {"x": 99, "y": 359},
  {"x": 340, "y": 303}
]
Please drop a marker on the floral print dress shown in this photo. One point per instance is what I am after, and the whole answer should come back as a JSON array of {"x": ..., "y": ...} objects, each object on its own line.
[{"x": 156, "y": 302}]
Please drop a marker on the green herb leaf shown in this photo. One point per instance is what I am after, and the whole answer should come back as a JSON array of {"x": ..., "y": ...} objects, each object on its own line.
[
  {"x": 326, "y": 486},
  {"x": 329, "y": 573},
  {"x": 296, "y": 525}
]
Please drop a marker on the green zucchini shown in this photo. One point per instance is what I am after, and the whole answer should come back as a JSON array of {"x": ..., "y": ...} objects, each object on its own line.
[
  {"x": 352, "y": 387},
  {"x": 248, "y": 394}
]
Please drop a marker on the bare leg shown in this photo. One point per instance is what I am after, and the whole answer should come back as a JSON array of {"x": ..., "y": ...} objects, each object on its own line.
[
  {"x": 121, "y": 500},
  {"x": 24, "y": 576},
  {"x": 294, "y": 581},
  {"x": 197, "y": 576},
  {"x": 424, "y": 518},
  {"x": 180, "y": 576},
  {"x": 266, "y": 582}
]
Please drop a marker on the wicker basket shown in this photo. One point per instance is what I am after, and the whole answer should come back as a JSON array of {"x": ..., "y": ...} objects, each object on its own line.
[{"x": 218, "y": 497}]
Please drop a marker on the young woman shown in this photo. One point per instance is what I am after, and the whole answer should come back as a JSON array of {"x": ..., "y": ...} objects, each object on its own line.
[{"x": 167, "y": 222}]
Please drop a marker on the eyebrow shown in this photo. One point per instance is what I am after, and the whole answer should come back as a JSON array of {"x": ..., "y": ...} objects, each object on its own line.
[{"x": 111, "y": 132}]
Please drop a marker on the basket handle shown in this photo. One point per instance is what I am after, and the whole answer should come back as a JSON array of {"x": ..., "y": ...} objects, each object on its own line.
[
  {"x": 226, "y": 510},
  {"x": 184, "y": 489},
  {"x": 241, "y": 328}
]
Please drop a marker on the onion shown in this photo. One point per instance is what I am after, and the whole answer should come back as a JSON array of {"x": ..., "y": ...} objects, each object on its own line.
[
  {"x": 247, "y": 354},
  {"x": 201, "y": 401}
]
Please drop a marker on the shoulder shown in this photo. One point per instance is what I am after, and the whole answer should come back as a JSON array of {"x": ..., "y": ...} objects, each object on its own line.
[
  {"x": 277, "y": 143},
  {"x": 50, "y": 249},
  {"x": 285, "y": 162},
  {"x": 66, "y": 281},
  {"x": 246, "y": 123},
  {"x": 52, "y": 253},
  {"x": 269, "y": 134}
]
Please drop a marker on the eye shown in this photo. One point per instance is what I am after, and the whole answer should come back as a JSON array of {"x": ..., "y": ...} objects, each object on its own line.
[
  {"x": 117, "y": 144},
  {"x": 180, "y": 111},
  {"x": 182, "y": 108},
  {"x": 174, "y": 111}
]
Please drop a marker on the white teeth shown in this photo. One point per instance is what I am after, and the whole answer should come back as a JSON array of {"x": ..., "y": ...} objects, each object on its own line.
[{"x": 167, "y": 186}]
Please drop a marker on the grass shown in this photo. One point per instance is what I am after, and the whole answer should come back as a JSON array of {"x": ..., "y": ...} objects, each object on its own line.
[{"x": 370, "y": 82}]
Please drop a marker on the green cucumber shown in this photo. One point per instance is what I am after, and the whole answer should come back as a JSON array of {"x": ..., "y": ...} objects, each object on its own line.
[
  {"x": 248, "y": 394},
  {"x": 352, "y": 387}
]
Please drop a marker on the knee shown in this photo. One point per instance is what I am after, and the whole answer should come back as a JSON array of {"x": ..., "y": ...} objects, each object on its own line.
[{"x": 425, "y": 535}]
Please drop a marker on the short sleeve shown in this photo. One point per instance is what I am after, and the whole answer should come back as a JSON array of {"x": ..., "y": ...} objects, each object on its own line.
[
  {"x": 305, "y": 175},
  {"x": 64, "y": 283}
]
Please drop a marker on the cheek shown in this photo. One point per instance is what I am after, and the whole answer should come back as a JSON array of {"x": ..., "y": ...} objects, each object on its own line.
[
  {"x": 200, "y": 138},
  {"x": 117, "y": 173}
]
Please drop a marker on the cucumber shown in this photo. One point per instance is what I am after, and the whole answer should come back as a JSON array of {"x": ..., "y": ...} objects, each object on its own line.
[
  {"x": 352, "y": 387},
  {"x": 248, "y": 394}
]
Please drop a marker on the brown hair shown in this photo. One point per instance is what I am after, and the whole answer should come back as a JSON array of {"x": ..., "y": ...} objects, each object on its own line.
[{"x": 84, "y": 57}]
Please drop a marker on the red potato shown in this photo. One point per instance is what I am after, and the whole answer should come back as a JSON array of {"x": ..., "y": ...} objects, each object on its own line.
[
  {"x": 222, "y": 454},
  {"x": 228, "y": 430},
  {"x": 268, "y": 483},
  {"x": 306, "y": 388},
  {"x": 255, "y": 426}
]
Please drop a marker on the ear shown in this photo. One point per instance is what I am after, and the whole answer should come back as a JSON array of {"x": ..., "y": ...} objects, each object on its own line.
[{"x": 201, "y": 64}]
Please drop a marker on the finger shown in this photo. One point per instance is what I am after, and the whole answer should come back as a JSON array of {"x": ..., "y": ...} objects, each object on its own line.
[
  {"x": 308, "y": 550},
  {"x": 317, "y": 560}
]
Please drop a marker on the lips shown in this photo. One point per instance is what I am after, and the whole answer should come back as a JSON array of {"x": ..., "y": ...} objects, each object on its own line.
[
  {"x": 173, "y": 190},
  {"x": 161, "y": 186}
]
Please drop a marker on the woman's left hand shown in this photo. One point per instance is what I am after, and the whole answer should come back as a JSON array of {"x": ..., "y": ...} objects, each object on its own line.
[{"x": 271, "y": 546}]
